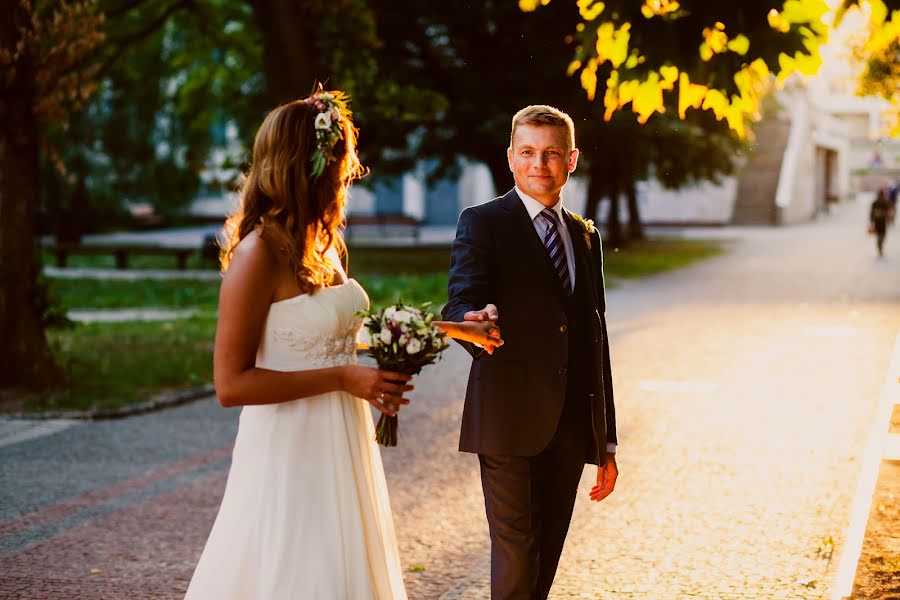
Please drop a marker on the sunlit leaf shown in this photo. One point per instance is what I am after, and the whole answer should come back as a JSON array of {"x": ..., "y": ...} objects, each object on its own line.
[
  {"x": 669, "y": 75},
  {"x": 778, "y": 22},
  {"x": 648, "y": 98},
  {"x": 573, "y": 66},
  {"x": 879, "y": 13},
  {"x": 589, "y": 78},
  {"x": 739, "y": 44},
  {"x": 612, "y": 43},
  {"x": 589, "y": 10},
  {"x": 652, "y": 8},
  {"x": 634, "y": 59},
  {"x": 690, "y": 95},
  {"x": 611, "y": 97},
  {"x": 715, "y": 101},
  {"x": 627, "y": 91}
]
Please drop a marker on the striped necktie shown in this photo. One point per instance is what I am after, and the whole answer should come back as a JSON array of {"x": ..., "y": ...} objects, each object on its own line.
[{"x": 555, "y": 248}]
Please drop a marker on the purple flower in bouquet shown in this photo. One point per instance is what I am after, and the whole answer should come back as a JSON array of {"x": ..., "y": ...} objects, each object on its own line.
[{"x": 403, "y": 340}]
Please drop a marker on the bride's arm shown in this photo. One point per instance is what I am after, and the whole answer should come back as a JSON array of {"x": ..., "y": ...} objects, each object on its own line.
[
  {"x": 244, "y": 300},
  {"x": 485, "y": 334}
]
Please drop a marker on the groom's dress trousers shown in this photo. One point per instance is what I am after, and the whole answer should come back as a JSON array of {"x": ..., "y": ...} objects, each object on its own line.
[
  {"x": 541, "y": 406},
  {"x": 529, "y": 499}
]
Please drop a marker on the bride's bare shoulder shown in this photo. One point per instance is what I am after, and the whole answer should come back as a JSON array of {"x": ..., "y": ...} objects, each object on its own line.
[{"x": 254, "y": 252}]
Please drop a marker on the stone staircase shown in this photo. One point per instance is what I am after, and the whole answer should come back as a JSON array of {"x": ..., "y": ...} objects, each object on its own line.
[{"x": 755, "y": 200}]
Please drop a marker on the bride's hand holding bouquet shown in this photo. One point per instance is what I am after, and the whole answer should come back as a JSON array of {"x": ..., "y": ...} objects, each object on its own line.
[{"x": 403, "y": 340}]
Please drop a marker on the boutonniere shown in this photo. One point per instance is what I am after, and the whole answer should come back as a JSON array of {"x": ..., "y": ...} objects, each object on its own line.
[{"x": 587, "y": 225}]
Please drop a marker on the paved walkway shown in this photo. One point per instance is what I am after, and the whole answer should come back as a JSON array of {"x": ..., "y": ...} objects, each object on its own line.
[{"x": 745, "y": 390}]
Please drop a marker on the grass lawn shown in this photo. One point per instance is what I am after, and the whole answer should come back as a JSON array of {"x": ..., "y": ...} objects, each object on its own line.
[
  {"x": 115, "y": 364},
  {"x": 649, "y": 257},
  {"x": 144, "y": 293}
]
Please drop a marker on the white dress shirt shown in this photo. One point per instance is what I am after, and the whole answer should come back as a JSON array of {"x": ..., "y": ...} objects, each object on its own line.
[{"x": 534, "y": 209}]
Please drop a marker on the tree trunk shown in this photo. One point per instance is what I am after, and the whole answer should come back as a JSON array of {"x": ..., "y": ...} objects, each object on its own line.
[
  {"x": 25, "y": 360},
  {"x": 613, "y": 223},
  {"x": 635, "y": 227},
  {"x": 596, "y": 189},
  {"x": 602, "y": 184},
  {"x": 290, "y": 59}
]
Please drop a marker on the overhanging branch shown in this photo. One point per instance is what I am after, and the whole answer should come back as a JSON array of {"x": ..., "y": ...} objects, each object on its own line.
[{"x": 123, "y": 43}]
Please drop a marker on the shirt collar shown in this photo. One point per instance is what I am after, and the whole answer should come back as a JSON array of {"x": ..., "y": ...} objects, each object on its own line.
[{"x": 534, "y": 207}]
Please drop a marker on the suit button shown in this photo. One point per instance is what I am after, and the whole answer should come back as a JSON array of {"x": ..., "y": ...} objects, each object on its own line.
[
  {"x": 563, "y": 329},
  {"x": 562, "y": 371}
]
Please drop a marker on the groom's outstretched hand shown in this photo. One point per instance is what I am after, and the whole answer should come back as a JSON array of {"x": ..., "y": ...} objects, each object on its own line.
[
  {"x": 488, "y": 313},
  {"x": 606, "y": 478}
]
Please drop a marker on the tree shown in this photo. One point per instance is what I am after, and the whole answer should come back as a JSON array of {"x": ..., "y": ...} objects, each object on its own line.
[
  {"x": 43, "y": 82},
  {"x": 492, "y": 60},
  {"x": 480, "y": 65},
  {"x": 621, "y": 152},
  {"x": 177, "y": 90},
  {"x": 718, "y": 56},
  {"x": 879, "y": 51}
]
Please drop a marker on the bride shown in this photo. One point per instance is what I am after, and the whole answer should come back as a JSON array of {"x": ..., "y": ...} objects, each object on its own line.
[{"x": 305, "y": 513}]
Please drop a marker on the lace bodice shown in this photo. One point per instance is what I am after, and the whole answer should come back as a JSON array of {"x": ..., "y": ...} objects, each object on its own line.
[{"x": 313, "y": 331}]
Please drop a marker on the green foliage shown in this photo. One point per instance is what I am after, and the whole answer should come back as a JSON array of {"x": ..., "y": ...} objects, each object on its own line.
[
  {"x": 142, "y": 293},
  {"x": 714, "y": 57},
  {"x": 480, "y": 65},
  {"x": 384, "y": 290},
  {"x": 106, "y": 364},
  {"x": 50, "y": 306},
  {"x": 484, "y": 62},
  {"x": 649, "y": 257},
  {"x": 174, "y": 84}
]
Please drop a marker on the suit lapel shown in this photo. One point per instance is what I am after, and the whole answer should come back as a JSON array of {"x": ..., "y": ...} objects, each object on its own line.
[{"x": 523, "y": 227}]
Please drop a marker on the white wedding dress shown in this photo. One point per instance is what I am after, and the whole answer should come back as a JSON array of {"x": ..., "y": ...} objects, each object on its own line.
[{"x": 305, "y": 514}]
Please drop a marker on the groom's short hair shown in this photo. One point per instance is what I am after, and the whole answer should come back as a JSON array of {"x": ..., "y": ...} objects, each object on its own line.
[{"x": 538, "y": 115}]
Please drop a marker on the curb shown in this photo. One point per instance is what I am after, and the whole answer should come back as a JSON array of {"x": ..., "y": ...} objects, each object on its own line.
[
  {"x": 867, "y": 481},
  {"x": 156, "y": 403}
]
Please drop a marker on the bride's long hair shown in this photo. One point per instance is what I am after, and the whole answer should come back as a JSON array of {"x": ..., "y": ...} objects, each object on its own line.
[{"x": 301, "y": 213}]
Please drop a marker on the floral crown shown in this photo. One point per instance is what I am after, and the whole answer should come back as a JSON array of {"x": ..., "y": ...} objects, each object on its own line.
[{"x": 331, "y": 106}]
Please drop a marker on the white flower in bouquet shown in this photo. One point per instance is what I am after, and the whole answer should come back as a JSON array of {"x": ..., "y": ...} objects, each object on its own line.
[
  {"x": 386, "y": 336},
  {"x": 413, "y": 346},
  {"x": 403, "y": 316}
]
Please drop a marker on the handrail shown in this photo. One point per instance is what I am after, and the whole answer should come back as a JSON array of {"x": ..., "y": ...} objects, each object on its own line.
[{"x": 796, "y": 137}]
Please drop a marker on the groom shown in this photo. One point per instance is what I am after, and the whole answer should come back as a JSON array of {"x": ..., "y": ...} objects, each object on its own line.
[{"x": 541, "y": 406}]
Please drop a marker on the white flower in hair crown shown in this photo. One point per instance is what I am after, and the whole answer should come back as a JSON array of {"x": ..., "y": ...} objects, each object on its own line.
[{"x": 331, "y": 106}]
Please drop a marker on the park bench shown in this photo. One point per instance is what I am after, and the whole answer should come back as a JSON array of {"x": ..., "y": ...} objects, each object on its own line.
[
  {"x": 63, "y": 250},
  {"x": 384, "y": 224}
]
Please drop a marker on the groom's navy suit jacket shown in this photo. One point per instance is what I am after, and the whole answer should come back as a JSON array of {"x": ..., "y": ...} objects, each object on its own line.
[{"x": 515, "y": 396}]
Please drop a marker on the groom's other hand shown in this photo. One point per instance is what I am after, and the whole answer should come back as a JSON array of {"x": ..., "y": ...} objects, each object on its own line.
[
  {"x": 606, "y": 478},
  {"x": 488, "y": 313}
]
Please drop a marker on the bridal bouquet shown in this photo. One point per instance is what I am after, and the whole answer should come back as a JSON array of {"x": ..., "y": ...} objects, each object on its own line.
[{"x": 403, "y": 340}]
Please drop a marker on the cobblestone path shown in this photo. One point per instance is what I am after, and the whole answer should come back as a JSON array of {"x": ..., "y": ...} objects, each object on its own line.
[{"x": 745, "y": 389}]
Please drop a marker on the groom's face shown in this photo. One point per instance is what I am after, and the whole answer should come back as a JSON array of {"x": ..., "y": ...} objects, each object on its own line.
[{"x": 541, "y": 161}]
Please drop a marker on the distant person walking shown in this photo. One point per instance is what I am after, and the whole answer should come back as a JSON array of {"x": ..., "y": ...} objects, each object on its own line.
[
  {"x": 879, "y": 215},
  {"x": 892, "y": 193}
]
